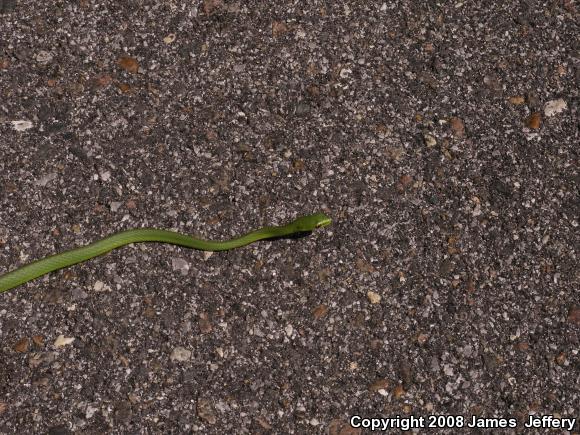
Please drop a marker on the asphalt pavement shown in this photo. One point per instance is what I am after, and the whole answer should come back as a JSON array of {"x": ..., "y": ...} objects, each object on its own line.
[{"x": 442, "y": 138}]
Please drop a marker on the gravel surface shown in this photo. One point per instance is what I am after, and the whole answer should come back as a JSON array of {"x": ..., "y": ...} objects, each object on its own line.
[{"x": 441, "y": 137}]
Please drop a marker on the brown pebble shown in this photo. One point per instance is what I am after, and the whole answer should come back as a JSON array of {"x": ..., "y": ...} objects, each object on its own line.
[
  {"x": 574, "y": 315},
  {"x": 263, "y": 422},
  {"x": 534, "y": 120},
  {"x": 364, "y": 266},
  {"x": 320, "y": 311},
  {"x": 428, "y": 47},
  {"x": 313, "y": 90},
  {"x": 205, "y": 411},
  {"x": 451, "y": 245},
  {"x": 298, "y": 165},
  {"x": 405, "y": 180},
  {"x": 561, "y": 359},
  {"x": 399, "y": 391},
  {"x": 279, "y": 28},
  {"x": 102, "y": 81},
  {"x": 376, "y": 344},
  {"x": 517, "y": 100},
  {"x": 457, "y": 127},
  {"x": 211, "y": 6},
  {"x": 129, "y": 64},
  {"x": 40, "y": 382},
  {"x": 522, "y": 345},
  {"x": 69, "y": 275},
  {"x": 422, "y": 338},
  {"x": 379, "y": 384},
  {"x": 340, "y": 427},
  {"x": 403, "y": 183},
  {"x": 124, "y": 87},
  {"x": 21, "y": 345},
  {"x": 205, "y": 325},
  {"x": 395, "y": 153}
]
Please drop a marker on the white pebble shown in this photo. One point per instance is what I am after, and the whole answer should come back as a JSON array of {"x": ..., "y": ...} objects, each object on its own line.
[
  {"x": 180, "y": 354},
  {"x": 21, "y": 125},
  {"x": 555, "y": 106},
  {"x": 43, "y": 57},
  {"x": 61, "y": 341}
]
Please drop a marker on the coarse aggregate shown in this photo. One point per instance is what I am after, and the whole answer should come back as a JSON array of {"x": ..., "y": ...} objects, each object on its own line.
[{"x": 441, "y": 137}]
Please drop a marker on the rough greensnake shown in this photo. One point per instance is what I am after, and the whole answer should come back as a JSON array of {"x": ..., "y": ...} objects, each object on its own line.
[{"x": 304, "y": 224}]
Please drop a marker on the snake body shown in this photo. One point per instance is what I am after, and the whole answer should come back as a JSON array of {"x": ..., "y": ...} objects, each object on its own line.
[{"x": 304, "y": 224}]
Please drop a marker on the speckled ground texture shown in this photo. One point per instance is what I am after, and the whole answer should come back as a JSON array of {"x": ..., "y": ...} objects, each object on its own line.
[{"x": 442, "y": 138}]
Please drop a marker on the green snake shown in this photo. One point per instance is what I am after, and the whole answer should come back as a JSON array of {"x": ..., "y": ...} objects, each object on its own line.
[{"x": 301, "y": 225}]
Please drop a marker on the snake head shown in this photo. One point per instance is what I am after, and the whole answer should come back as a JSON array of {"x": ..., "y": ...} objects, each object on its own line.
[{"x": 311, "y": 222}]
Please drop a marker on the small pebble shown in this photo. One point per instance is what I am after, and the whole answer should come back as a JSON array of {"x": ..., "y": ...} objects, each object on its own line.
[
  {"x": 45, "y": 179},
  {"x": 179, "y": 264},
  {"x": 554, "y": 107},
  {"x": 21, "y": 125},
  {"x": 21, "y": 345},
  {"x": 43, "y": 57},
  {"x": 373, "y": 297},
  {"x": 169, "y": 38},
  {"x": 534, "y": 121},
  {"x": 517, "y": 100},
  {"x": 62, "y": 341},
  {"x": 430, "y": 140},
  {"x": 457, "y": 127},
  {"x": 180, "y": 354}
]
